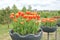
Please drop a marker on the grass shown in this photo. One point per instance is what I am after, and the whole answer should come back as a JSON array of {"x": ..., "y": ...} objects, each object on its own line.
[
  {"x": 4, "y": 33},
  {"x": 4, "y": 28}
]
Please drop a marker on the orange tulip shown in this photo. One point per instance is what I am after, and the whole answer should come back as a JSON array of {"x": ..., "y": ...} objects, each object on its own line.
[
  {"x": 21, "y": 22},
  {"x": 51, "y": 21},
  {"x": 57, "y": 17},
  {"x": 22, "y": 13},
  {"x": 47, "y": 19},
  {"x": 44, "y": 20},
  {"x": 34, "y": 16},
  {"x": 11, "y": 16},
  {"x": 34, "y": 13},
  {"x": 38, "y": 17},
  {"x": 28, "y": 12},
  {"x": 17, "y": 15},
  {"x": 27, "y": 20},
  {"x": 52, "y": 18},
  {"x": 25, "y": 16},
  {"x": 15, "y": 20},
  {"x": 30, "y": 17}
]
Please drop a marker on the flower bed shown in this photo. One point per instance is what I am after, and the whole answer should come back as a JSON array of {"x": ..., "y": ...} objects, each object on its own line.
[
  {"x": 26, "y": 23},
  {"x": 49, "y": 24}
]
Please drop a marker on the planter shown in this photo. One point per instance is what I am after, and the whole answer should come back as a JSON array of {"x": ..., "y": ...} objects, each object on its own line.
[
  {"x": 58, "y": 24},
  {"x": 49, "y": 29},
  {"x": 16, "y": 36}
]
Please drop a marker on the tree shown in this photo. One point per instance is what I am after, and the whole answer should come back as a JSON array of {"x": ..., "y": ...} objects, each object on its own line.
[
  {"x": 14, "y": 9},
  {"x": 1, "y": 17},
  {"x": 59, "y": 12},
  {"x": 7, "y": 12},
  {"x": 5, "y": 15},
  {"x": 24, "y": 9},
  {"x": 29, "y": 8}
]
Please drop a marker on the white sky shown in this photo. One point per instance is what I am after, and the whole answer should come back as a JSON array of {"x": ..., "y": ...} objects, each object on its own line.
[{"x": 36, "y": 4}]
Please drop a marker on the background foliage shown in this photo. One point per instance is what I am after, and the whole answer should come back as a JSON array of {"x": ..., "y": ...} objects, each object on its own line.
[{"x": 4, "y": 13}]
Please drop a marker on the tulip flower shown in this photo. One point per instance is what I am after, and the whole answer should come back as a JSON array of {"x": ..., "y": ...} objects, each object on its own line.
[
  {"x": 17, "y": 15},
  {"x": 43, "y": 20},
  {"x": 27, "y": 20},
  {"x": 28, "y": 12},
  {"x": 38, "y": 17},
  {"x": 15, "y": 20},
  {"x": 21, "y": 22},
  {"x": 21, "y": 13},
  {"x": 30, "y": 17},
  {"x": 25, "y": 16},
  {"x": 34, "y": 13},
  {"x": 49, "y": 21},
  {"x": 11, "y": 16},
  {"x": 24, "y": 22},
  {"x": 34, "y": 16}
]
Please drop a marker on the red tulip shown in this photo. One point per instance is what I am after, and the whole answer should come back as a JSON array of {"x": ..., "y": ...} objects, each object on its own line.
[
  {"x": 30, "y": 17},
  {"x": 34, "y": 16},
  {"x": 21, "y": 13},
  {"x": 25, "y": 16}
]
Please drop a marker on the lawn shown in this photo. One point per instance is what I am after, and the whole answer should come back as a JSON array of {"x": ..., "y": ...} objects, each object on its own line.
[{"x": 4, "y": 33}]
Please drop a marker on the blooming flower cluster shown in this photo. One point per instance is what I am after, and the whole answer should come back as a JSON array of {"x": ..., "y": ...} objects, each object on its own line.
[
  {"x": 49, "y": 22},
  {"x": 28, "y": 15},
  {"x": 57, "y": 17},
  {"x": 25, "y": 23}
]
